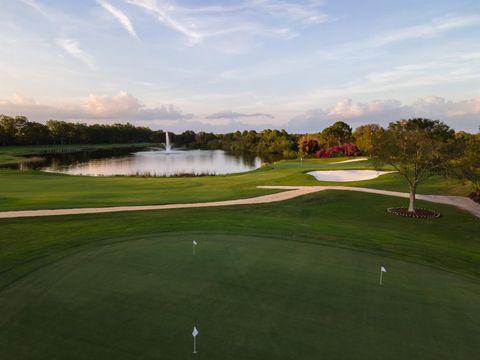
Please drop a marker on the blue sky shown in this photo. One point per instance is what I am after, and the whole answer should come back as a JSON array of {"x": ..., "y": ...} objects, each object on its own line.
[{"x": 227, "y": 65}]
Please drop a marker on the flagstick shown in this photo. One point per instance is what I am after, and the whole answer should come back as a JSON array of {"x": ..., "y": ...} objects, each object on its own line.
[
  {"x": 193, "y": 246},
  {"x": 194, "y": 345},
  {"x": 381, "y": 275}
]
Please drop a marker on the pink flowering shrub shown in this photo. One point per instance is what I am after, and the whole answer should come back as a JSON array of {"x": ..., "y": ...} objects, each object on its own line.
[{"x": 337, "y": 151}]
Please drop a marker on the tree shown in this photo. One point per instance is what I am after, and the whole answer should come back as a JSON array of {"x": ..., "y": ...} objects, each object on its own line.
[
  {"x": 7, "y": 130},
  {"x": 58, "y": 130},
  {"x": 364, "y": 137},
  {"x": 34, "y": 134},
  {"x": 337, "y": 134},
  {"x": 467, "y": 165},
  {"x": 307, "y": 145},
  {"x": 11, "y": 129},
  {"x": 417, "y": 149}
]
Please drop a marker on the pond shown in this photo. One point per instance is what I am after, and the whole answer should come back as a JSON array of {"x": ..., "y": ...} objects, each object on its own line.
[{"x": 149, "y": 162}]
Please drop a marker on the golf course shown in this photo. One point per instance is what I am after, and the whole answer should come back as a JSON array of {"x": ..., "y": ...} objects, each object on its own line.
[
  {"x": 295, "y": 279},
  {"x": 239, "y": 180}
]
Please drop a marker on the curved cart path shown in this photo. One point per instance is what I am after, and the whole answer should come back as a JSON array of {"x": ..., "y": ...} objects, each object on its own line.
[{"x": 289, "y": 193}]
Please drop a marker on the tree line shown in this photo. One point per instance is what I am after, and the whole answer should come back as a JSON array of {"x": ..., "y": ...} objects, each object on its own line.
[{"x": 20, "y": 131}]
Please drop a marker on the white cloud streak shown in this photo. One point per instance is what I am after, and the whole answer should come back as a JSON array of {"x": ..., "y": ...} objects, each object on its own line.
[
  {"x": 73, "y": 48},
  {"x": 431, "y": 29},
  {"x": 228, "y": 114},
  {"x": 120, "y": 16},
  {"x": 200, "y": 23},
  {"x": 162, "y": 14}
]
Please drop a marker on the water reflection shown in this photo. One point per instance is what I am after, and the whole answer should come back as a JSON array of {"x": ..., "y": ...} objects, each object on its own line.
[{"x": 149, "y": 163}]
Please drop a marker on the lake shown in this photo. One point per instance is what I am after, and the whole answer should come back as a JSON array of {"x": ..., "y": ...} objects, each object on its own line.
[{"x": 145, "y": 163}]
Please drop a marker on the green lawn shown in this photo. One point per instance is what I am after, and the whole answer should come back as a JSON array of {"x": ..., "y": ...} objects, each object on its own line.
[
  {"x": 36, "y": 190},
  {"x": 293, "y": 280},
  {"x": 290, "y": 280}
]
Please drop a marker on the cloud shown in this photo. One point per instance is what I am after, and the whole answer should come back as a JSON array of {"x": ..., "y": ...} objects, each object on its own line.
[
  {"x": 346, "y": 108},
  {"x": 163, "y": 15},
  {"x": 258, "y": 17},
  {"x": 121, "y": 107},
  {"x": 301, "y": 12},
  {"x": 228, "y": 114},
  {"x": 73, "y": 48},
  {"x": 33, "y": 4},
  {"x": 127, "y": 106},
  {"x": 120, "y": 16},
  {"x": 433, "y": 28},
  {"x": 461, "y": 115}
]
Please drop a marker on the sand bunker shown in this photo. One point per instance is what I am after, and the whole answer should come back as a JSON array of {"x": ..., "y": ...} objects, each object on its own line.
[
  {"x": 347, "y": 175},
  {"x": 351, "y": 160}
]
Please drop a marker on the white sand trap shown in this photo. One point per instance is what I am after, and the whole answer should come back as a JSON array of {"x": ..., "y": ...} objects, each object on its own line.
[
  {"x": 347, "y": 175},
  {"x": 351, "y": 160}
]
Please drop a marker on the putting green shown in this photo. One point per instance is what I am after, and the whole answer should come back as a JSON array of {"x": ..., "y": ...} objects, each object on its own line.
[{"x": 250, "y": 298}]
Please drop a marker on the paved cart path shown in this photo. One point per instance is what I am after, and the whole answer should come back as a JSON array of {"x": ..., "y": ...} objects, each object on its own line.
[{"x": 290, "y": 192}]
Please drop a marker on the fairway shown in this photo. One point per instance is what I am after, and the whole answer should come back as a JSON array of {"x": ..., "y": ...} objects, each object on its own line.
[{"x": 293, "y": 280}]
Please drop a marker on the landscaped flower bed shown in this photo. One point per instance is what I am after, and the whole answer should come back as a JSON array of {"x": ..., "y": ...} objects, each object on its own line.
[{"x": 418, "y": 214}]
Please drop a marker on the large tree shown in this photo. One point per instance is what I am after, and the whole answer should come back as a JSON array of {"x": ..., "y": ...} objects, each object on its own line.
[
  {"x": 365, "y": 136},
  {"x": 417, "y": 149},
  {"x": 337, "y": 134}
]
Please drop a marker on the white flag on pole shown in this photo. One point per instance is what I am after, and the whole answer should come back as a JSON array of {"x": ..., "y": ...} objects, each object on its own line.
[
  {"x": 194, "y": 245},
  {"x": 382, "y": 270},
  {"x": 194, "y": 334}
]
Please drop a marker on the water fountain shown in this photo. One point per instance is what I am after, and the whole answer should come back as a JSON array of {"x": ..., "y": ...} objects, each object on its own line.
[
  {"x": 168, "y": 161},
  {"x": 168, "y": 147}
]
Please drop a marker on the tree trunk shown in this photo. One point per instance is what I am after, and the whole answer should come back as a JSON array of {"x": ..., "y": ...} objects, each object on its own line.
[{"x": 413, "y": 191}]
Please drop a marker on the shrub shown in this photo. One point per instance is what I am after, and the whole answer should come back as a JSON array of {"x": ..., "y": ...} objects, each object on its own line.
[{"x": 337, "y": 151}]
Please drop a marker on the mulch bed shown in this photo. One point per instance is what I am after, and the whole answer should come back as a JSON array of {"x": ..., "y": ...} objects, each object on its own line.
[
  {"x": 475, "y": 196},
  {"x": 418, "y": 214}
]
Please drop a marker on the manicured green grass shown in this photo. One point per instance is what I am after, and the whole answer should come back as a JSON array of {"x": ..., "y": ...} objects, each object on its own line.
[
  {"x": 37, "y": 190},
  {"x": 291, "y": 280}
]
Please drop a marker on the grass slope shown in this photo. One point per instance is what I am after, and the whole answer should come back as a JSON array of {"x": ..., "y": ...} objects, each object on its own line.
[{"x": 294, "y": 280}]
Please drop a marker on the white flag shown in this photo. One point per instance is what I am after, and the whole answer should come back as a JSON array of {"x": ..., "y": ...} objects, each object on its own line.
[
  {"x": 382, "y": 269},
  {"x": 195, "y": 331},
  {"x": 194, "y": 242}
]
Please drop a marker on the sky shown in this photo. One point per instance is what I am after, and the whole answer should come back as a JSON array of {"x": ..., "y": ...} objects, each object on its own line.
[{"x": 245, "y": 64}]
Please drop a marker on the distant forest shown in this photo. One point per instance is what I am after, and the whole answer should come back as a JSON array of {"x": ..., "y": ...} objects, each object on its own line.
[
  {"x": 20, "y": 131},
  {"x": 335, "y": 140}
]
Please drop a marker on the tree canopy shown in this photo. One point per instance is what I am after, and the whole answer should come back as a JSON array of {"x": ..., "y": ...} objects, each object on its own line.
[
  {"x": 337, "y": 134},
  {"x": 365, "y": 136},
  {"x": 417, "y": 148},
  {"x": 467, "y": 165}
]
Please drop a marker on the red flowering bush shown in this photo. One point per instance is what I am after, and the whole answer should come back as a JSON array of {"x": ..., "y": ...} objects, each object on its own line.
[
  {"x": 309, "y": 146},
  {"x": 337, "y": 151}
]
